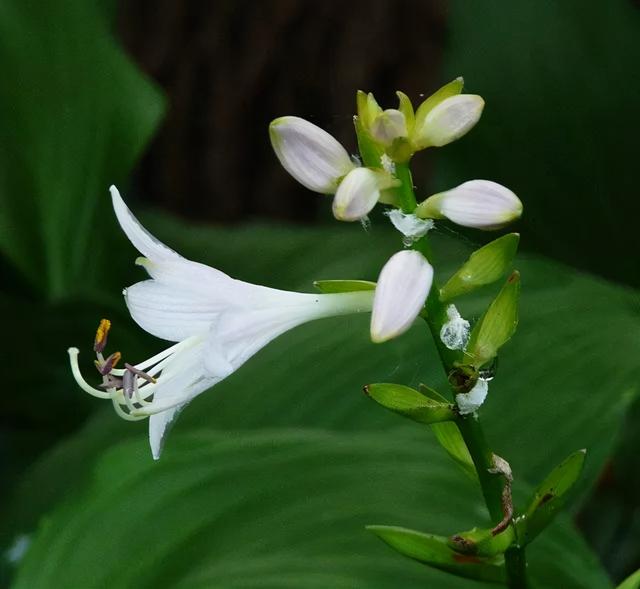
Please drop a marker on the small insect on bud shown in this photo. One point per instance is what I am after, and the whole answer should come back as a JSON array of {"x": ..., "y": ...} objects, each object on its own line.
[{"x": 100, "y": 343}]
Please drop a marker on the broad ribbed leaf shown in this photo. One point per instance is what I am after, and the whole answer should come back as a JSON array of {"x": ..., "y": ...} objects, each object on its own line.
[{"x": 75, "y": 115}]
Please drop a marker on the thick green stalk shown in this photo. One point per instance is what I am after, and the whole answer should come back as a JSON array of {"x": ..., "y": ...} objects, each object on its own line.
[{"x": 492, "y": 484}]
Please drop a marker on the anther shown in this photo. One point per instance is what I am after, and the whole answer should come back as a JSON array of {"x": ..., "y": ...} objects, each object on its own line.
[
  {"x": 139, "y": 373},
  {"x": 128, "y": 382},
  {"x": 102, "y": 332},
  {"x": 109, "y": 364},
  {"x": 111, "y": 382}
]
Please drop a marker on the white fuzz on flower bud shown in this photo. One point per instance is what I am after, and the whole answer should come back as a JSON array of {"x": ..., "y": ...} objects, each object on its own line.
[
  {"x": 480, "y": 204},
  {"x": 312, "y": 156},
  {"x": 449, "y": 120},
  {"x": 401, "y": 292}
]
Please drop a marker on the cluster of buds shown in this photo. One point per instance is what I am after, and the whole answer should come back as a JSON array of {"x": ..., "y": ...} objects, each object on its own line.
[{"x": 387, "y": 139}]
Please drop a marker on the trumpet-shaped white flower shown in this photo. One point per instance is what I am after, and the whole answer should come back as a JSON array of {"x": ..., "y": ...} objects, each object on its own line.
[
  {"x": 449, "y": 120},
  {"x": 480, "y": 204},
  {"x": 310, "y": 154},
  {"x": 400, "y": 295},
  {"x": 217, "y": 322}
]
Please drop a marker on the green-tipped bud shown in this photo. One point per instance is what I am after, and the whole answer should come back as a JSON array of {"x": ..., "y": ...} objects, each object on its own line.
[
  {"x": 410, "y": 403},
  {"x": 449, "y": 120},
  {"x": 480, "y": 204},
  {"x": 484, "y": 266},
  {"x": 388, "y": 126},
  {"x": 497, "y": 325}
]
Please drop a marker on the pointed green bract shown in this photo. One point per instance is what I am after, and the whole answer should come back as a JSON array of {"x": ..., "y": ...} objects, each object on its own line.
[
  {"x": 406, "y": 108},
  {"x": 449, "y": 437},
  {"x": 497, "y": 325},
  {"x": 435, "y": 551},
  {"x": 484, "y": 266},
  {"x": 451, "y": 89},
  {"x": 335, "y": 286},
  {"x": 410, "y": 403},
  {"x": 482, "y": 542},
  {"x": 550, "y": 496},
  {"x": 632, "y": 582}
]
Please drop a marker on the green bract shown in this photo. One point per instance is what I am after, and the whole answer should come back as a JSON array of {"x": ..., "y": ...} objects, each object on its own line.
[
  {"x": 497, "y": 325},
  {"x": 550, "y": 496},
  {"x": 410, "y": 403},
  {"x": 484, "y": 266}
]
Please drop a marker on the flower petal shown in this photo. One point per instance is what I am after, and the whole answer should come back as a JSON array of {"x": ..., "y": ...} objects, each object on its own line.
[
  {"x": 402, "y": 289},
  {"x": 142, "y": 240},
  {"x": 312, "y": 156}
]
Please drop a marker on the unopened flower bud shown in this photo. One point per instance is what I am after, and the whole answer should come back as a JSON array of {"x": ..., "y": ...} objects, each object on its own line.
[
  {"x": 312, "y": 156},
  {"x": 388, "y": 126},
  {"x": 359, "y": 192},
  {"x": 449, "y": 120},
  {"x": 480, "y": 204},
  {"x": 400, "y": 295}
]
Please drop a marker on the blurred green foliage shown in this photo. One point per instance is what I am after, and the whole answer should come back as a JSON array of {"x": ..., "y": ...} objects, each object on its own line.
[{"x": 269, "y": 479}]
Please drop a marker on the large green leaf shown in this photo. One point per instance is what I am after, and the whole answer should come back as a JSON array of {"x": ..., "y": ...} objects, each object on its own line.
[
  {"x": 75, "y": 114},
  {"x": 561, "y": 122},
  {"x": 560, "y": 384},
  {"x": 270, "y": 509}
]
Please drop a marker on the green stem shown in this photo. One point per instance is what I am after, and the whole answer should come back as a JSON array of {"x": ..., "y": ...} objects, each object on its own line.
[{"x": 491, "y": 484}]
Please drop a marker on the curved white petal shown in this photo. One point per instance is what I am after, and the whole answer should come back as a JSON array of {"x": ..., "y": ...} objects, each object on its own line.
[
  {"x": 388, "y": 126},
  {"x": 481, "y": 204},
  {"x": 450, "y": 120},
  {"x": 312, "y": 156},
  {"x": 402, "y": 289},
  {"x": 142, "y": 240},
  {"x": 356, "y": 196},
  {"x": 159, "y": 426},
  {"x": 170, "y": 313}
]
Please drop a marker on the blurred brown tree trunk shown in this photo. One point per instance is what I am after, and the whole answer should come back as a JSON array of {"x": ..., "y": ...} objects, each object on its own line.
[{"x": 230, "y": 66}]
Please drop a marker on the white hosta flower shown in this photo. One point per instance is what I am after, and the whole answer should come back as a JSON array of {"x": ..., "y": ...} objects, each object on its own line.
[
  {"x": 449, "y": 120},
  {"x": 310, "y": 154},
  {"x": 454, "y": 334},
  {"x": 470, "y": 402},
  {"x": 480, "y": 204},
  {"x": 400, "y": 294},
  {"x": 218, "y": 323},
  {"x": 359, "y": 192}
]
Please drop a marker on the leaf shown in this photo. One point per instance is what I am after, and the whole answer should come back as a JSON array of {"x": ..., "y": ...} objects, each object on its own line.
[
  {"x": 271, "y": 508},
  {"x": 409, "y": 403},
  {"x": 497, "y": 325},
  {"x": 75, "y": 118},
  {"x": 484, "y": 266},
  {"x": 550, "y": 496},
  {"x": 331, "y": 286},
  {"x": 435, "y": 551},
  {"x": 632, "y": 582},
  {"x": 300, "y": 381}
]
